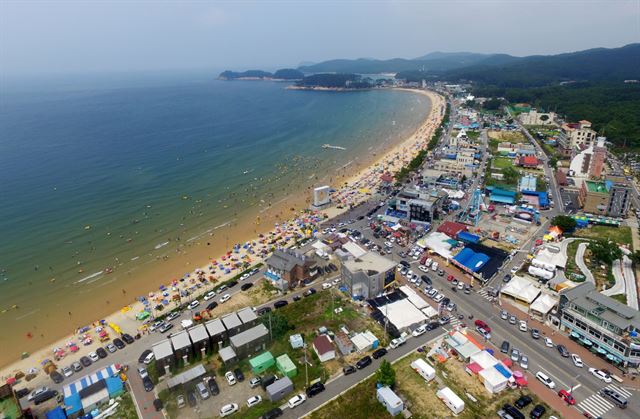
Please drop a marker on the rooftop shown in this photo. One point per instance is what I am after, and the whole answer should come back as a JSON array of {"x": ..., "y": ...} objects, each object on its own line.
[
  {"x": 198, "y": 333},
  {"x": 180, "y": 340},
  {"x": 249, "y": 335},
  {"x": 247, "y": 315},
  {"x": 215, "y": 327},
  {"x": 598, "y": 187},
  {"x": 322, "y": 344},
  {"x": 285, "y": 260},
  {"x": 162, "y": 349},
  {"x": 231, "y": 321},
  {"x": 370, "y": 262}
]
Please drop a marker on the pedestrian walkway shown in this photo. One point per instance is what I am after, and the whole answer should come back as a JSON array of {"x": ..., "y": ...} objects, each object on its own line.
[
  {"x": 595, "y": 405},
  {"x": 484, "y": 293}
]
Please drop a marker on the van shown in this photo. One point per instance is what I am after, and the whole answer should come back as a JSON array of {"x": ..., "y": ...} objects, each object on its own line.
[
  {"x": 428, "y": 262},
  {"x": 546, "y": 380},
  {"x": 202, "y": 391},
  {"x": 615, "y": 397},
  {"x": 425, "y": 370},
  {"x": 150, "y": 357},
  {"x": 434, "y": 267}
]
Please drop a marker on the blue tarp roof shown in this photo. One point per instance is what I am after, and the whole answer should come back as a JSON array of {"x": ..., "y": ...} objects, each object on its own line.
[
  {"x": 57, "y": 413},
  {"x": 471, "y": 260},
  {"x": 502, "y": 370},
  {"x": 502, "y": 199},
  {"x": 87, "y": 380},
  {"x": 503, "y": 192},
  {"x": 73, "y": 403},
  {"x": 468, "y": 237},
  {"x": 114, "y": 385}
]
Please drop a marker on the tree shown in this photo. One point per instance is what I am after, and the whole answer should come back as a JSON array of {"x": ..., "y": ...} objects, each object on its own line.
[
  {"x": 635, "y": 257},
  {"x": 386, "y": 375},
  {"x": 553, "y": 162},
  {"x": 565, "y": 222},
  {"x": 605, "y": 251},
  {"x": 510, "y": 174},
  {"x": 278, "y": 323}
]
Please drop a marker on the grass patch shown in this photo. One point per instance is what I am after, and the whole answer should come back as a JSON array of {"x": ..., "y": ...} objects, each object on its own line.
[
  {"x": 126, "y": 409},
  {"x": 621, "y": 298},
  {"x": 501, "y": 163},
  {"x": 620, "y": 235}
]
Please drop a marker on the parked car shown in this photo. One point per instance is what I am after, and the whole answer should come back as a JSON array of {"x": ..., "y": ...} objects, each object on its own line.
[
  {"x": 397, "y": 342},
  {"x": 264, "y": 310},
  {"x": 254, "y": 400},
  {"x": 246, "y": 286},
  {"x": 296, "y": 400},
  {"x": 537, "y": 412},
  {"x": 548, "y": 342},
  {"x": 45, "y": 396},
  {"x": 420, "y": 330},
  {"x": 515, "y": 355},
  {"x": 535, "y": 333},
  {"x": 274, "y": 413},
  {"x": 193, "y": 304},
  {"x": 36, "y": 392},
  {"x": 144, "y": 355},
  {"x": 224, "y": 299},
  {"x": 228, "y": 409},
  {"x": 165, "y": 327},
  {"x": 212, "y": 305},
  {"x": 524, "y": 362},
  {"x": 364, "y": 362},
  {"x": 522, "y": 326},
  {"x": 128, "y": 338},
  {"x": 231, "y": 379},
  {"x": 379, "y": 353},
  {"x": 504, "y": 348},
  {"x": 309, "y": 292},
  {"x": 111, "y": 347},
  {"x": 202, "y": 391},
  {"x": 213, "y": 386},
  {"x": 314, "y": 389},
  {"x": 513, "y": 320},
  {"x": 349, "y": 369},
  {"x": 209, "y": 295},
  {"x": 85, "y": 361},
  {"x": 504, "y": 315},
  {"x": 157, "y": 404},
  {"x": 523, "y": 402},
  {"x": 76, "y": 366},
  {"x": 280, "y": 304},
  {"x": 147, "y": 383},
  {"x": 239, "y": 375}
]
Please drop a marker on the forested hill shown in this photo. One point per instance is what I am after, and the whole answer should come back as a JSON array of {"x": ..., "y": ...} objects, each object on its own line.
[{"x": 282, "y": 74}]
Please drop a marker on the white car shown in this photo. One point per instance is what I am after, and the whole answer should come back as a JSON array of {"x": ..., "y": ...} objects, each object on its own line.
[
  {"x": 419, "y": 331},
  {"x": 209, "y": 295},
  {"x": 423, "y": 268},
  {"x": 548, "y": 342},
  {"x": 193, "y": 304},
  {"x": 522, "y": 326},
  {"x": 326, "y": 285},
  {"x": 601, "y": 375},
  {"x": 224, "y": 298},
  {"x": 397, "y": 342},
  {"x": 297, "y": 400},
  {"x": 409, "y": 273},
  {"x": 336, "y": 281},
  {"x": 252, "y": 401},
  {"x": 438, "y": 298},
  {"x": 434, "y": 267},
  {"x": 143, "y": 372},
  {"x": 546, "y": 380},
  {"x": 524, "y": 362},
  {"x": 577, "y": 361},
  {"x": 67, "y": 371},
  {"x": 460, "y": 285},
  {"x": 231, "y": 379},
  {"x": 228, "y": 409},
  {"x": 514, "y": 270},
  {"x": 432, "y": 292},
  {"x": 388, "y": 244},
  {"x": 94, "y": 357}
]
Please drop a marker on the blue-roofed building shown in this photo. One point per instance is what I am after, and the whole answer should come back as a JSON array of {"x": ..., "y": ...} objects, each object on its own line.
[
  {"x": 502, "y": 196},
  {"x": 57, "y": 413},
  {"x": 528, "y": 183},
  {"x": 103, "y": 383},
  {"x": 468, "y": 237},
  {"x": 469, "y": 260}
]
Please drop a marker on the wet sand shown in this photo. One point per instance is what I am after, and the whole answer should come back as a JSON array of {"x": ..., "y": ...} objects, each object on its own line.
[{"x": 55, "y": 325}]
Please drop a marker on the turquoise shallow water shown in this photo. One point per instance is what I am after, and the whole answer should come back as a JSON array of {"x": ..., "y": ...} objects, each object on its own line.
[{"x": 94, "y": 177}]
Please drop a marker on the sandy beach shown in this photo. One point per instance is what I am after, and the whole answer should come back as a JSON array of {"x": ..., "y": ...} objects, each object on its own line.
[{"x": 215, "y": 257}]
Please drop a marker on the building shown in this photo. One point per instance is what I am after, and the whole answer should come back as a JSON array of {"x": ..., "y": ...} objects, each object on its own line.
[
  {"x": 250, "y": 341},
  {"x": 217, "y": 333},
  {"x": 390, "y": 400},
  {"x": 286, "y": 366},
  {"x": 533, "y": 117},
  {"x": 605, "y": 198},
  {"x": 451, "y": 228},
  {"x": 598, "y": 159},
  {"x": 163, "y": 354},
  {"x": 619, "y": 200},
  {"x": 287, "y": 268},
  {"x": 262, "y": 362},
  {"x": 529, "y": 162},
  {"x": 416, "y": 205},
  {"x": 279, "y": 389},
  {"x": 575, "y": 135},
  {"x": 232, "y": 323},
  {"x": 92, "y": 389},
  {"x": 344, "y": 344},
  {"x": 602, "y": 323},
  {"x": 368, "y": 275},
  {"x": 324, "y": 348}
]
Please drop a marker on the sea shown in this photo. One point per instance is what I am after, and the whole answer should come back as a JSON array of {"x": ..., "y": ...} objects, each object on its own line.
[{"x": 100, "y": 174}]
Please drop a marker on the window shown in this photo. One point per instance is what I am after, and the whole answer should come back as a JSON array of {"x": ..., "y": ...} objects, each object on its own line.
[
  {"x": 619, "y": 347},
  {"x": 581, "y": 325},
  {"x": 595, "y": 333},
  {"x": 568, "y": 317},
  {"x": 607, "y": 340},
  {"x": 634, "y": 353}
]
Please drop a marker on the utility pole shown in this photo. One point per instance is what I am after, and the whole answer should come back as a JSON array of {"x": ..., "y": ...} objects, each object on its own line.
[
  {"x": 306, "y": 369},
  {"x": 270, "y": 330}
]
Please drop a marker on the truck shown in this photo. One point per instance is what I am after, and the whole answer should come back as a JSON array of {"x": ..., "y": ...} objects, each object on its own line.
[
  {"x": 399, "y": 341},
  {"x": 425, "y": 370}
]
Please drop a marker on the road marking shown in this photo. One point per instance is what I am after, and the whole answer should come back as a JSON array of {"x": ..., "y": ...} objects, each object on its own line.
[
  {"x": 574, "y": 388},
  {"x": 624, "y": 392},
  {"x": 595, "y": 405}
]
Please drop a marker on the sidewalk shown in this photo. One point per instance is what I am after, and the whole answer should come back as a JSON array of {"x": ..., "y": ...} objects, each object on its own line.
[{"x": 559, "y": 337}]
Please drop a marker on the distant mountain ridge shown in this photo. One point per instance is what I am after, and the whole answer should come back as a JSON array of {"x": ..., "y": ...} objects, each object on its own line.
[{"x": 598, "y": 64}]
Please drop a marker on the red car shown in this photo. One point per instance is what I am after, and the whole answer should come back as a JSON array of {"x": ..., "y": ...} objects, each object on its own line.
[
  {"x": 482, "y": 325},
  {"x": 450, "y": 278},
  {"x": 567, "y": 397}
]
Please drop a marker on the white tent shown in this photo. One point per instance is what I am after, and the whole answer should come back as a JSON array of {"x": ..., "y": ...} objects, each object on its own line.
[
  {"x": 521, "y": 289},
  {"x": 493, "y": 380}
]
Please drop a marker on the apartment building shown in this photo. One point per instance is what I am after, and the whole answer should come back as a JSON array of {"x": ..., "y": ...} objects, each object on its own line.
[
  {"x": 575, "y": 135},
  {"x": 602, "y": 324},
  {"x": 368, "y": 275},
  {"x": 605, "y": 198}
]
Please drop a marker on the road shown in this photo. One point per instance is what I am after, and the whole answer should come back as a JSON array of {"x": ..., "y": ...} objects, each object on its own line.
[{"x": 580, "y": 262}]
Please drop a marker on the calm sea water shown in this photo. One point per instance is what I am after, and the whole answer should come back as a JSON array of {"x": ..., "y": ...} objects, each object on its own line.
[{"x": 103, "y": 176}]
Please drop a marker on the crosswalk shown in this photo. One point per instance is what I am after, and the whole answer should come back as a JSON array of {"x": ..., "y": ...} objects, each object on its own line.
[
  {"x": 596, "y": 405},
  {"x": 484, "y": 293}
]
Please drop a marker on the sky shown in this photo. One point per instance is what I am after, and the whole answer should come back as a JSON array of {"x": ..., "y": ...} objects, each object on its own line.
[{"x": 63, "y": 37}]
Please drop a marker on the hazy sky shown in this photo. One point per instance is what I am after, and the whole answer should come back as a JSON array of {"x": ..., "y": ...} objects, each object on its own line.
[{"x": 86, "y": 36}]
